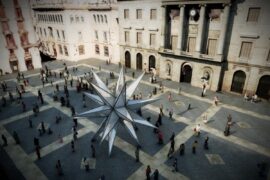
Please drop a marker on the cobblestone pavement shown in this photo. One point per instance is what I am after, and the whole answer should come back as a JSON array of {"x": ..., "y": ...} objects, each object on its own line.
[{"x": 228, "y": 157}]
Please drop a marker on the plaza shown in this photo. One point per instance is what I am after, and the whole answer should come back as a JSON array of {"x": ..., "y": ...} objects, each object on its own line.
[{"x": 229, "y": 157}]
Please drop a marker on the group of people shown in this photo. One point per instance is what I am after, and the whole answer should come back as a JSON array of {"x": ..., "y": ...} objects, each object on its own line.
[{"x": 254, "y": 98}]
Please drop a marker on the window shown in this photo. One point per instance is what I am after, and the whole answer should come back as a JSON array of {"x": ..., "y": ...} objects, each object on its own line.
[
  {"x": 58, "y": 35},
  {"x": 77, "y": 19},
  {"x": 101, "y": 17},
  {"x": 40, "y": 30},
  {"x": 98, "y": 18},
  {"x": 66, "y": 51},
  {"x": 105, "y": 19},
  {"x": 80, "y": 38},
  {"x": 211, "y": 48},
  {"x": 174, "y": 42},
  {"x": 105, "y": 36},
  {"x": 153, "y": 14},
  {"x": 97, "y": 49},
  {"x": 96, "y": 35},
  {"x": 61, "y": 18},
  {"x": 82, "y": 19},
  {"x": 138, "y": 14},
  {"x": 139, "y": 37},
  {"x": 71, "y": 19},
  {"x": 268, "y": 57},
  {"x": 81, "y": 49},
  {"x": 45, "y": 33},
  {"x": 63, "y": 34},
  {"x": 106, "y": 51},
  {"x": 245, "y": 49},
  {"x": 126, "y": 36},
  {"x": 152, "y": 39},
  {"x": 95, "y": 18},
  {"x": 126, "y": 13},
  {"x": 191, "y": 44},
  {"x": 253, "y": 14},
  {"x": 60, "y": 49}
]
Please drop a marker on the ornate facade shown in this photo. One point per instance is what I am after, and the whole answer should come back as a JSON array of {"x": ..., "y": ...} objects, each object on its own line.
[{"x": 19, "y": 46}]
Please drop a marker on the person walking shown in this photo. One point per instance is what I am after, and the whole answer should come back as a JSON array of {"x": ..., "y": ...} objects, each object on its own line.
[
  {"x": 159, "y": 119},
  {"x": 137, "y": 153},
  {"x": 198, "y": 130},
  {"x": 38, "y": 152},
  {"x": 148, "y": 172},
  {"x": 43, "y": 127},
  {"x": 93, "y": 150},
  {"x": 59, "y": 168},
  {"x": 4, "y": 140},
  {"x": 170, "y": 97},
  {"x": 161, "y": 110},
  {"x": 36, "y": 142},
  {"x": 172, "y": 141},
  {"x": 30, "y": 122},
  {"x": 170, "y": 114},
  {"x": 205, "y": 145},
  {"x": 16, "y": 137},
  {"x": 216, "y": 100},
  {"x": 156, "y": 174},
  {"x": 182, "y": 149},
  {"x": 194, "y": 145},
  {"x": 160, "y": 137},
  {"x": 72, "y": 146},
  {"x": 75, "y": 120}
]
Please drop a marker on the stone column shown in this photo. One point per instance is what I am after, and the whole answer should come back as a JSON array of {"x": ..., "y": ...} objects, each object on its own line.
[
  {"x": 181, "y": 26},
  {"x": 200, "y": 29},
  {"x": 223, "y": 29},
  {"x": 163, "y": 26}
]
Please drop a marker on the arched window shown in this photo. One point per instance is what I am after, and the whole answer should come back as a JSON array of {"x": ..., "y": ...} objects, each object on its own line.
[
  {"x": 238, "y": 81},
  {"x": 101, "y": 17},
  {"x": 98, "y": 18},
  {"x": 95, "y": 18},
  {"x": 106, "y": 21}
]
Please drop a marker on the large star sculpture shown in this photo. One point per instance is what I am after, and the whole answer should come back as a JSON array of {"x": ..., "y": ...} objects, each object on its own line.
[{"x": 117, "y": 107}]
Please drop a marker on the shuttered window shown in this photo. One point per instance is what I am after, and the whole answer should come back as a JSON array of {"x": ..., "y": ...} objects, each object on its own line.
[
  {"x": 127, "y": 36},
  {"x": 139, "y": 14},
  {"x": 81, "y": 49},
  {"x": 245, "y": 49},
  {"x": 191, "y": 44},
  {"x": 253, "y": 14},
  {"x": 153, "y": 14},
  {"x": 126, "y": 13},
  {"x": 211, "y": 48},
  {"x": 60, "y": 49},
  {"x": 66, "y": 51},
  {"x": 97, "y": 49},
  {"x": 106, "y": 51},
  {"x": 152, "y": 39},
  {"x": 139, "y": 37}
]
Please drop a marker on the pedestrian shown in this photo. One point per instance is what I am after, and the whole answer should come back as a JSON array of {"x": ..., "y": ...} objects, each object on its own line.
[
  {"x": 160, "y": 137},
  {"x": 205, "y": 119},
  {"x": 16, "y": 137},
  {"x": 206, "y": 143},
  {"x": 72, "y": 146},
  {"x": 172, "y": 141},
  {"x": 161, "y": 110},
  {"x": 175, "y": 165},
  {"x": 4, "y": 140},
  {"x": 194, "y": 145},
  {"x": 171, "y": 114},
  {"x": 198, "y": 130},
  {"x": 133, "y": 74},
  {"x": 59, "y": 168},
  {"x": 189, "y": 107},
  {"x": 216, "y": 100},
  {"x": 93, "y": 150},
  {"x": 36, "y": 142},
  {"x": 75, "y": 120},
  {"x": 182, "y": 149},
  {"x": 170, "y": 97},
  {"x": 30, "y": 122},
  {"x": 159, "y": 120},
  {"x": 156, "y": 174},
  {"x": 170, "y": 153},
  {"x": 60, "y": 138},
  {"x": 148, "y": 172},
  {"x": 43, "y": 127},
  {"x": 137, "y": 153},
  {"x": 72, "y": 110},
  {"x": 38, "y": 152},
  {"x": 75, "y": 135},
  {"x": 23, "y": 106},
  {"x": 86, "y": 163}
]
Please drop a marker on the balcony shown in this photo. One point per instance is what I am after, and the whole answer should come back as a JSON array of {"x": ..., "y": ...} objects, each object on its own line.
[
  {"x": 27, "y": 56},
  {"x": 13, "y": 58}
]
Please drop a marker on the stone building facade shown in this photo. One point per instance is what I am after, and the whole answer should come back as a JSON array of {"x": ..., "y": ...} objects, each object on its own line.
[
  {"x": 223, "y": 44},
  {"x": 18, "y": 43},
  {"x": 76, "y": 30}
]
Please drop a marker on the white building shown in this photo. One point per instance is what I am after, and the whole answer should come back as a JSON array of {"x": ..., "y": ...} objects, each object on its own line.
[
  {"x": 76, "y": 30},
  {"x": 18, "y": 42}
]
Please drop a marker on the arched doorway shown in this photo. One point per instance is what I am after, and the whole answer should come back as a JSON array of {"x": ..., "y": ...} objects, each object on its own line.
[
  {"x": 139, "y": 61},
  {"x": 186, "y": 73},
  {"x": 238, "y": 82},
  {"x": 263, "y": 89},
  {"x": 152, "y": 62},
  {"x": 127, "y": 60}
]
